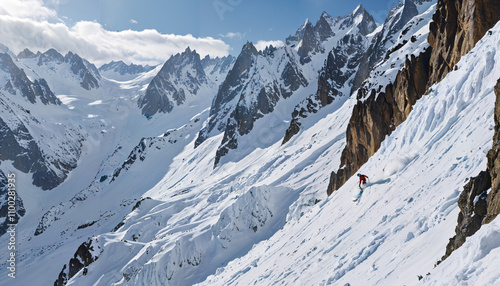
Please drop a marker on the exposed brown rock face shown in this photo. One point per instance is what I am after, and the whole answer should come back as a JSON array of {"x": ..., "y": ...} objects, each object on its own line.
[
  {"x": 379, "y": 115},
  {"x": 472, "y": 204},
  {"x": 494, "y": 164},
  {"x": 456, "y": 28},
  {"x": 477, "y": 207}
]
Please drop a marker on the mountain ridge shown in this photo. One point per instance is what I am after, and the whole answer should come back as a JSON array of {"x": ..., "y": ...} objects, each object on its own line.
[{"x": 144, "y": 184}]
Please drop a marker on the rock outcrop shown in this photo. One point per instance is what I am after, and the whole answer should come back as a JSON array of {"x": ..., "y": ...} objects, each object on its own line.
[
  {"x": 456, "y": 28},
  {"x": 87, "y": 253},
  {"x": 181, "y": 77},
  {"x": 494, "y": 164},
  {"x": 83, "y": 71},
  {"x": 479, "y": 202},
  {"x": 340, "y": 66},
  {"x": 472, "y": 204},
  {"x": 18, "y": 82},
  {"x": 9, "y": 213},
  {"x": 384, "y": 108},
  {"x": 379, "y": 115}
]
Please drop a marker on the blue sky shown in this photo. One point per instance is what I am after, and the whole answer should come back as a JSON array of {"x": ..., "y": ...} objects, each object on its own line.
[
  {"x": 234, "y": 21},
  {"x": 150, "y": 31}
]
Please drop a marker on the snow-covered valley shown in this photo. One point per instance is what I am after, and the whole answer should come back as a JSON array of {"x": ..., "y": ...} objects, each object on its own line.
[{"x": 150, "y": 200}]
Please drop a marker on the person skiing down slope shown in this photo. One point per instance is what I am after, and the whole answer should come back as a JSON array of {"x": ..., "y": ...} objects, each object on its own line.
[{"x": 362, "y": 179}]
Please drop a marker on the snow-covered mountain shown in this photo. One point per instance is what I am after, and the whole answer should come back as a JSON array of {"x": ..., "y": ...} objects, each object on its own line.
[
  {"x": 387, "y": 36},
  {"x": 131, "y": 192},
  {"x": 71, "y": 69},
  {"x": 261, "y": 79},
  {"x": 217, "y": 68},
  {"x": 15, "y": 81},
  {"x": 336, "y": 77},
  {"x": 181, "y": 79},
  {"x": 121, "y": 71},
  {"x": 22, "y": 138}
]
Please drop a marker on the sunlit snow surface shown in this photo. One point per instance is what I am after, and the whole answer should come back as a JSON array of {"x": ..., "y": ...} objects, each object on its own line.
[
  {"x": 400, "y": 228},
  {"x": 265, "y": 219}
]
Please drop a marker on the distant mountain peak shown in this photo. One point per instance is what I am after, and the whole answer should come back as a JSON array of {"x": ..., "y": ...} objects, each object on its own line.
[
  {"x": 325, "y": 15},
  {"x": 250, "y": 48},
  {"x": 122, "y": 68},
  {"x": 85, "y": 72},
  {"x": 51, "y": 55},
  {"x": 26, "y": 54},
  {"x": 181, "y": 77},
  {"x": 359, "y": 8},
  {"x": 19, "y": 82}
]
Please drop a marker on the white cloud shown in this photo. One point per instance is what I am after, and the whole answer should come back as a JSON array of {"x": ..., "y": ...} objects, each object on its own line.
[
  {"x": 133, "y": 21},
  {"x": 30, "y": 9},
  {"x": 37, "y": 30},
  {"x": 261, "y": 45},
  {"x": 231, "y": 35}
]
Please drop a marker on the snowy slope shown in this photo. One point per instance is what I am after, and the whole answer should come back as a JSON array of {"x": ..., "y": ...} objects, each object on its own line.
[
  {"x": 182, "y": 80},
  {"x": 262, "y": 217},
  {"x": 410, "y": 41},
  {"x": 405, "y": 217},
  {"x": 267, "y": 85},
  {"x": 102, "y": 125},
  {"x": 385, "y": 239},
  {"x": 68, "y": 74},
  {"x": 121, "y": 71}
]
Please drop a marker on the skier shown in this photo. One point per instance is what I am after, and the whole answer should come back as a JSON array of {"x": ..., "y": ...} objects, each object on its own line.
[
  {"x": 362, "y": 179},
  {"x": 134, "y": 238},
  {"x": 85, "y": 270}
]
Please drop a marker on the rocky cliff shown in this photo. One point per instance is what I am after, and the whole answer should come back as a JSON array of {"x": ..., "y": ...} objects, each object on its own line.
[
  {"x": 384, "y": 108},
  {"x": 87, "y": 253},
  {"x": 181, "y": 77},
  {"x": 473, "y": 204},
  {"x": 479, "y": 201},
  {"x": 18, "y": 82},
  {"x": 9, "y": 214},
  {"x": 340, "y": 66},
  {"x": 493, "y": 199},
  {"x": 80, "y": 69},
  {"x": 456, "y": 28}
]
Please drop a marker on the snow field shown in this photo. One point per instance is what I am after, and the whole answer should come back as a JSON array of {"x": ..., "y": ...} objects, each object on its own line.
[
  {"x": 403, "y": 222},
  {"x": 263, "y": 217}
]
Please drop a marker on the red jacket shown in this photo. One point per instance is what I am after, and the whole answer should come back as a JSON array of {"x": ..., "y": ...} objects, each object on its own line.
[{"x": 362, "y": 179}]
